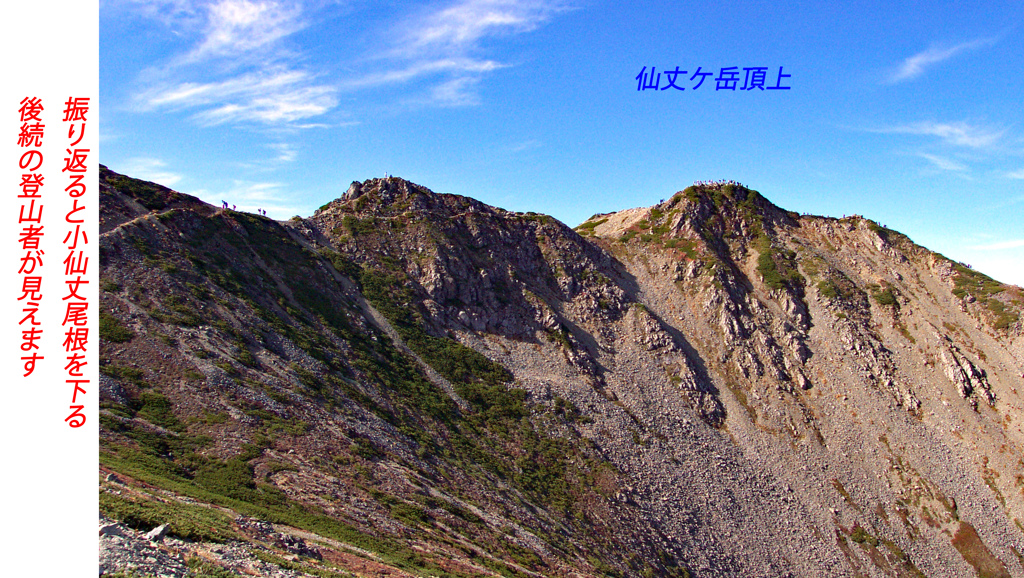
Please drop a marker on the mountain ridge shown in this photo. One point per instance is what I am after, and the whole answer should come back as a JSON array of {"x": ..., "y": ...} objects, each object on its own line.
[{"x": 647, "y": 393}]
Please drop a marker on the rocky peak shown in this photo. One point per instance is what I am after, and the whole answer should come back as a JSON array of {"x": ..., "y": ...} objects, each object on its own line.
[
  {"x": 389, "y": 188},
  {"x": 393, "y": 196}
]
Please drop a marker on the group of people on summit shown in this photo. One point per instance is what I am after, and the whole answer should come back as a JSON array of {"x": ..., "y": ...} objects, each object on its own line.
[{"x": 224, "y": 205}]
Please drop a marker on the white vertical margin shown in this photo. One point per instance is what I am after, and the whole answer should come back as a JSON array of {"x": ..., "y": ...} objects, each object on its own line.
[{"x": 50, "y": 492}]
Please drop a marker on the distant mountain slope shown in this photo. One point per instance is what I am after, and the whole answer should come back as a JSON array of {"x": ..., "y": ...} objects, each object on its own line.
[{"x": 410, "y": 383}]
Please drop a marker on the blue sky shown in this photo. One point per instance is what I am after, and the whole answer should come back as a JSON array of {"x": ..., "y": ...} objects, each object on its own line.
[{"x": 909, "y": 115}]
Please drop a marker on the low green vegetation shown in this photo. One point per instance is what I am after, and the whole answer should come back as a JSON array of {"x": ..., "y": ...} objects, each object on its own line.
[
  {"x": 177, "y": 310},
  {"x": 343, "y": 265},
  {"x": 536, "y": 217},
  {"x": 299, "y": 567},
  {"x": 541, "y": 465},
  {"x": 883, "y": 294},
  {"x": 112, "y": 330},
  {"x": 861, "y": 536},
  {"x": 189, "y": 522},
  {"x": 156, "y": 409},
  {"x": 123, "y": 372},
  {"x": 828, "y": 289},
  {"x": 984, "y": 289},
  {"x": 229, "y": 483},
  {"x": 150, "y": 195},
  {"x": 357, "y": 227},
  {"x": 588, "y": 227},
  {"x": 969, "y": 281},
  {"x": 769, "y": 271},
  {"x": 456, "y": 362},
  {"x": 560, "y": 336},
  {"x": 884, "y": 297},
  {"x": 777, "y": 266},
  {"x": 200, "y": 568},
  {"x": 687, "y": 246}
]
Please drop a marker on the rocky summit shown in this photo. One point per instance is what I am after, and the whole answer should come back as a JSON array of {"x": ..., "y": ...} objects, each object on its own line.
[{"x": 409, "y": 383}]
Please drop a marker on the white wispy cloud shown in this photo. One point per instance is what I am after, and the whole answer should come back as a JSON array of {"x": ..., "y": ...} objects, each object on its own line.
[
  {"x": 274, "y": 107},
  {"x": 175, "y": 13},
  {"x": 238, "y": 68},
  {"x": 943, "y": 162},
  {"x": 462, "y": 25},
  {"x": 187, "y": 94},
  {"x": 1016, "y": 174},
  {"x": 286, "y": 152},
  {"x": 239, "y": 26},
  {"x": 916, "y": 65},
  {"x": 456, "y": 66},
  {"x": 456, "y": 92},
  {"x": 150, "y": 169},
  {"x": 222, "y": 27},
  {"x": 1000, "y": 246},
  {"x": 278, "y": 95},
  {"x": 955, "y": 133},
  {"x": 443, "y": 47},
  {"x": 241, "y": 61}
]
